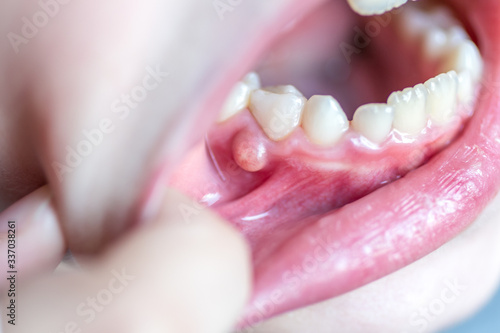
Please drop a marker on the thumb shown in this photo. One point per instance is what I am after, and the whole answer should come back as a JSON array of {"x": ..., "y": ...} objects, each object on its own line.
[
  {"x": 168, "y": 276},
  {"x": 200, "y": 264}
]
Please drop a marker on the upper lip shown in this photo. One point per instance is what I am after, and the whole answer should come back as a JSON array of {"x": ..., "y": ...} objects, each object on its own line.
[{"x": 402, "y": 221}]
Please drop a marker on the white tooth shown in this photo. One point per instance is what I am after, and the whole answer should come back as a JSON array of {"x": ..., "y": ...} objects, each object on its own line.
[
  {"x": 277, "y": 113},
  {"x": 252, "y": 79},
  {"x": 442, "y": 16},
  {"x": 438, "y": 43},
  {"x": 465, "y": 56},
  {"x": 372, "y": 7},
  {"x": 465, "y": 88},
  {"x": 287, "y": 89},
  {"x": 324, "y": 121},
  {"x": 236, "y": 101},
  {"x": 457, "y": 34},
  {"x": 409, "y": 109},
  {"x": 435, "y": 43},
  {"x": 442, "y": 97},
  {"x": 374, "y": 121},
  {"x": 413, "y": 22}
]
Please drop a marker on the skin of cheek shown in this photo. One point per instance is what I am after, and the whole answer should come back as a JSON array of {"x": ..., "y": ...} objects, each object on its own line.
[{"x": 432, "y": 293}]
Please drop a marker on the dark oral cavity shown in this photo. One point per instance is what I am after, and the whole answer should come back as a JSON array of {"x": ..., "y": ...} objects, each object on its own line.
[{"x": 323, "y": 221}]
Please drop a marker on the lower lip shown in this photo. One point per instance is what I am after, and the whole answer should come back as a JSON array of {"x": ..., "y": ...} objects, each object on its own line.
[{"x": 393, "y": 226}]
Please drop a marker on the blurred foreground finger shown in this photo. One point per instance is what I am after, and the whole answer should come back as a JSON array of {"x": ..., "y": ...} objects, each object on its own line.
[{"x": 172, "y": 275}]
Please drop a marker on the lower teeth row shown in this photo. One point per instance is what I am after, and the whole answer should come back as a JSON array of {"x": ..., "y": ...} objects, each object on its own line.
[{"x": 281, "y": 109}]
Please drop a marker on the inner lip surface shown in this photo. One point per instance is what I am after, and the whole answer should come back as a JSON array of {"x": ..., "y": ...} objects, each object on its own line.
[{"x": 449, "y": 190}]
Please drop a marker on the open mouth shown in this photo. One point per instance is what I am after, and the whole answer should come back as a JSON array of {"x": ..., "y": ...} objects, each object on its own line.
[{"x": 373, "y": 142}]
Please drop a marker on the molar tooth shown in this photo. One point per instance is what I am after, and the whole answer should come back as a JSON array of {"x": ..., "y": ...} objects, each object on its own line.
[
  {"x": 442, "y": 16},
  {"x": 457, "y": 34},
  {"x": 324, "y": 121},
  {"x": 374, "y": 121},
  {"x": 438, "y": 43},
  {"x": 278, "y": 110},
  {"x": 252, "y": 79},
  {"x": 236, "y": 101},
  {"x": 286, "y": 89},
  {"x": 409, "y": 109},
  {"x": 435, "y": 42},
  {"x": 372, "y": 7},
  {"x": 465, "y": 88},
  {"x": 442, "y": 97},
  {"x": 413, "y": 22},
  {"x": 465, "y": 56}
]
